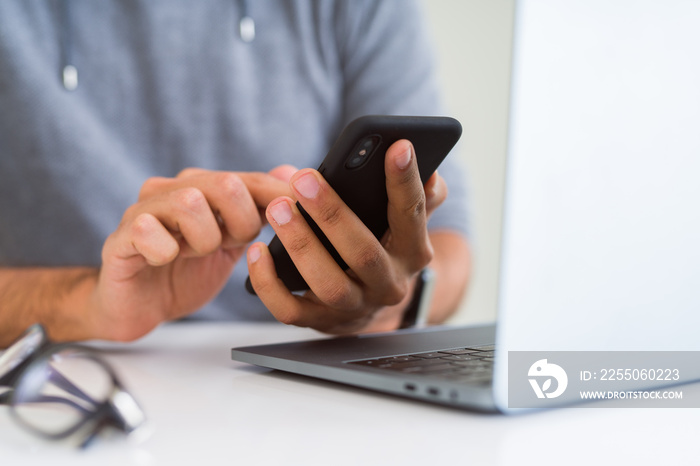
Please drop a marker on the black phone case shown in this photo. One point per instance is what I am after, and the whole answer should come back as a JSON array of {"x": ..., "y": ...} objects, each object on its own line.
[{"x": 364, "y": 188}]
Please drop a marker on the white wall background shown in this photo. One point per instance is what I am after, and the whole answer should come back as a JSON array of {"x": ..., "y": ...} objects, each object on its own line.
[{"x": 473, "y": 44}]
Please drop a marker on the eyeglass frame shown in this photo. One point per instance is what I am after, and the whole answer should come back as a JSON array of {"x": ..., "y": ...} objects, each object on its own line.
[{"x": 119, "y": 409}]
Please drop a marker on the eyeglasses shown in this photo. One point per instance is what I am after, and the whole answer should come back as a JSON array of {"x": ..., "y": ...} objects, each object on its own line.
[{"x": 61, "y": 391}]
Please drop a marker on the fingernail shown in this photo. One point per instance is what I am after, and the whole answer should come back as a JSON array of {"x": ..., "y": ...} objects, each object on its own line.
[
  {"x": 307, "y": 185},
  {"x": 281, "y": 212},
  {"x": 254, "y": 254},
  {"x": 404, "y": 159}
]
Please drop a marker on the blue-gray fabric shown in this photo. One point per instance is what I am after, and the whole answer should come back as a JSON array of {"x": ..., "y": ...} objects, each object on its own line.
[{"x": 169, "y": 84}]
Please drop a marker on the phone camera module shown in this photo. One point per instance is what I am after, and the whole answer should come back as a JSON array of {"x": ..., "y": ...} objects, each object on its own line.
[{"x": 363, "y": 151}]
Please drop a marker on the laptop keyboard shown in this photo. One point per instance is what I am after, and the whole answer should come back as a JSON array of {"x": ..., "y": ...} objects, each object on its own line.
[{"x": 472, "y": 364}]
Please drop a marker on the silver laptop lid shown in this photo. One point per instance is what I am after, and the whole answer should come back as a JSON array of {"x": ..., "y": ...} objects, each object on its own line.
[{"x": 601, "y": 241}]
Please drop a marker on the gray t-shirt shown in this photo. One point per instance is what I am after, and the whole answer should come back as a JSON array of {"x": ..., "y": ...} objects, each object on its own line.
[{"x": 168, "y": 84}]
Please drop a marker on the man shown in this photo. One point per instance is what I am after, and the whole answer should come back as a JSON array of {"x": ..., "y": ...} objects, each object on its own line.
[{"x": 103, "y": 100}]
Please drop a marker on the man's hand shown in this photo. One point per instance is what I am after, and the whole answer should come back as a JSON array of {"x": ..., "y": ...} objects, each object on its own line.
[
  {"x": 375, "y": 289},
  {"x": 176, "y": 247}
]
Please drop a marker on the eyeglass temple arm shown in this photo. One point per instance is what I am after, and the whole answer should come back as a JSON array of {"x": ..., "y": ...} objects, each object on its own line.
[
  {"x": 57, "y": 379},
  {"x": 62, "y": 382},
  {"x": 61, "y": 400}
]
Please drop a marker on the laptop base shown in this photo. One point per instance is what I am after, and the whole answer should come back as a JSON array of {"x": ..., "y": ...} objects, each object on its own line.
[{"x": 332, "y": 359}]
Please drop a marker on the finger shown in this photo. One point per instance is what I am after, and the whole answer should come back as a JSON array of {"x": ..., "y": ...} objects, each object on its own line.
[
  {"x": 301, "y": 311},
  {"x": 283, "y": 172},
  {"x": 275, "y": 296},
  {"x": 435, "y": 193},
  {"x": 264, "y": 188},
  {"x": 315, "y": 264},
  {"x": 355, "y": 243},
  {"x": 406, "y": 210},
  {"x": 159, "y": 185},
  {"x": 154, "y": 186},
  {"x": 232, "y": 205},
  {"x": 186, "y": 214},
  {"x": 234, "y": 198},
  {"x": 192, "y": 171},
  {"x": 144, "y": 237},
  {"x": 284, "y": 306}
]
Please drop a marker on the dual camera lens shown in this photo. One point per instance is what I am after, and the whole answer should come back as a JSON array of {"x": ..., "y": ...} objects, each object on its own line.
[{"x": 363, "y": 151}]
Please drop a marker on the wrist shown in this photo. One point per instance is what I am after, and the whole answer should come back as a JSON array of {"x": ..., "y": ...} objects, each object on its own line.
[
  {"x": 412, "y": 311},
  {"x": 67, "y": 309}
]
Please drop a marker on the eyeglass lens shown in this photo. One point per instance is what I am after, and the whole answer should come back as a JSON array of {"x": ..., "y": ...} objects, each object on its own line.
[{"x": 58, "y": 393}]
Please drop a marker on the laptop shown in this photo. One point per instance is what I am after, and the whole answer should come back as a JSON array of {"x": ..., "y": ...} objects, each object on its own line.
[{"x": 600, "y": 247}]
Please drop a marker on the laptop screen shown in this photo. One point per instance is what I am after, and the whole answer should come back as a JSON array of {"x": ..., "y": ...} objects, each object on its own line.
[{"x": 601, "y": 244}]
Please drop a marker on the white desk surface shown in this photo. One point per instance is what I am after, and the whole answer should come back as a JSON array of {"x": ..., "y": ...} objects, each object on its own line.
[{"x": 207, "y": 409}]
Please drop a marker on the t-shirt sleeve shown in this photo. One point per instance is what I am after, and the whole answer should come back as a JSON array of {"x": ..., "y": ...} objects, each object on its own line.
[{"x": 388, "y": 68}]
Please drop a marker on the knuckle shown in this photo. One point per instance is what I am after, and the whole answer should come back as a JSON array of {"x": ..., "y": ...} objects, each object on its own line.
[
  {"x": 299, "y": 244},
  {"x": 142, "y": 225},
  {"x": 371, "y": 257},
  {"x": 330, "y": 215},
  {"x": 230, "y": 185},
  {"x": 142, "y": 229},
  {"x": 190, "y": 199},
  {"x": 416, "y": 206},
  {"x": 337, "y": 295}
]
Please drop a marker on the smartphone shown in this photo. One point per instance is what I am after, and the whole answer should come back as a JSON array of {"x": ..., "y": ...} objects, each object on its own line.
[{"x": 354, "y": 168}]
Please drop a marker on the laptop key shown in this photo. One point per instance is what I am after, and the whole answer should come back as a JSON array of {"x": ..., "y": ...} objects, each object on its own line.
[
  {"x": 459, "y": 351},
  {"x": 474, "y": 363},
  {"x": 462, "y": 357},
  {"x": 381, "y": 361},
  {"x": 406, "y": 364},
  {"x": 394, "y": 359},
  {"x": 428, "y": 355}
]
